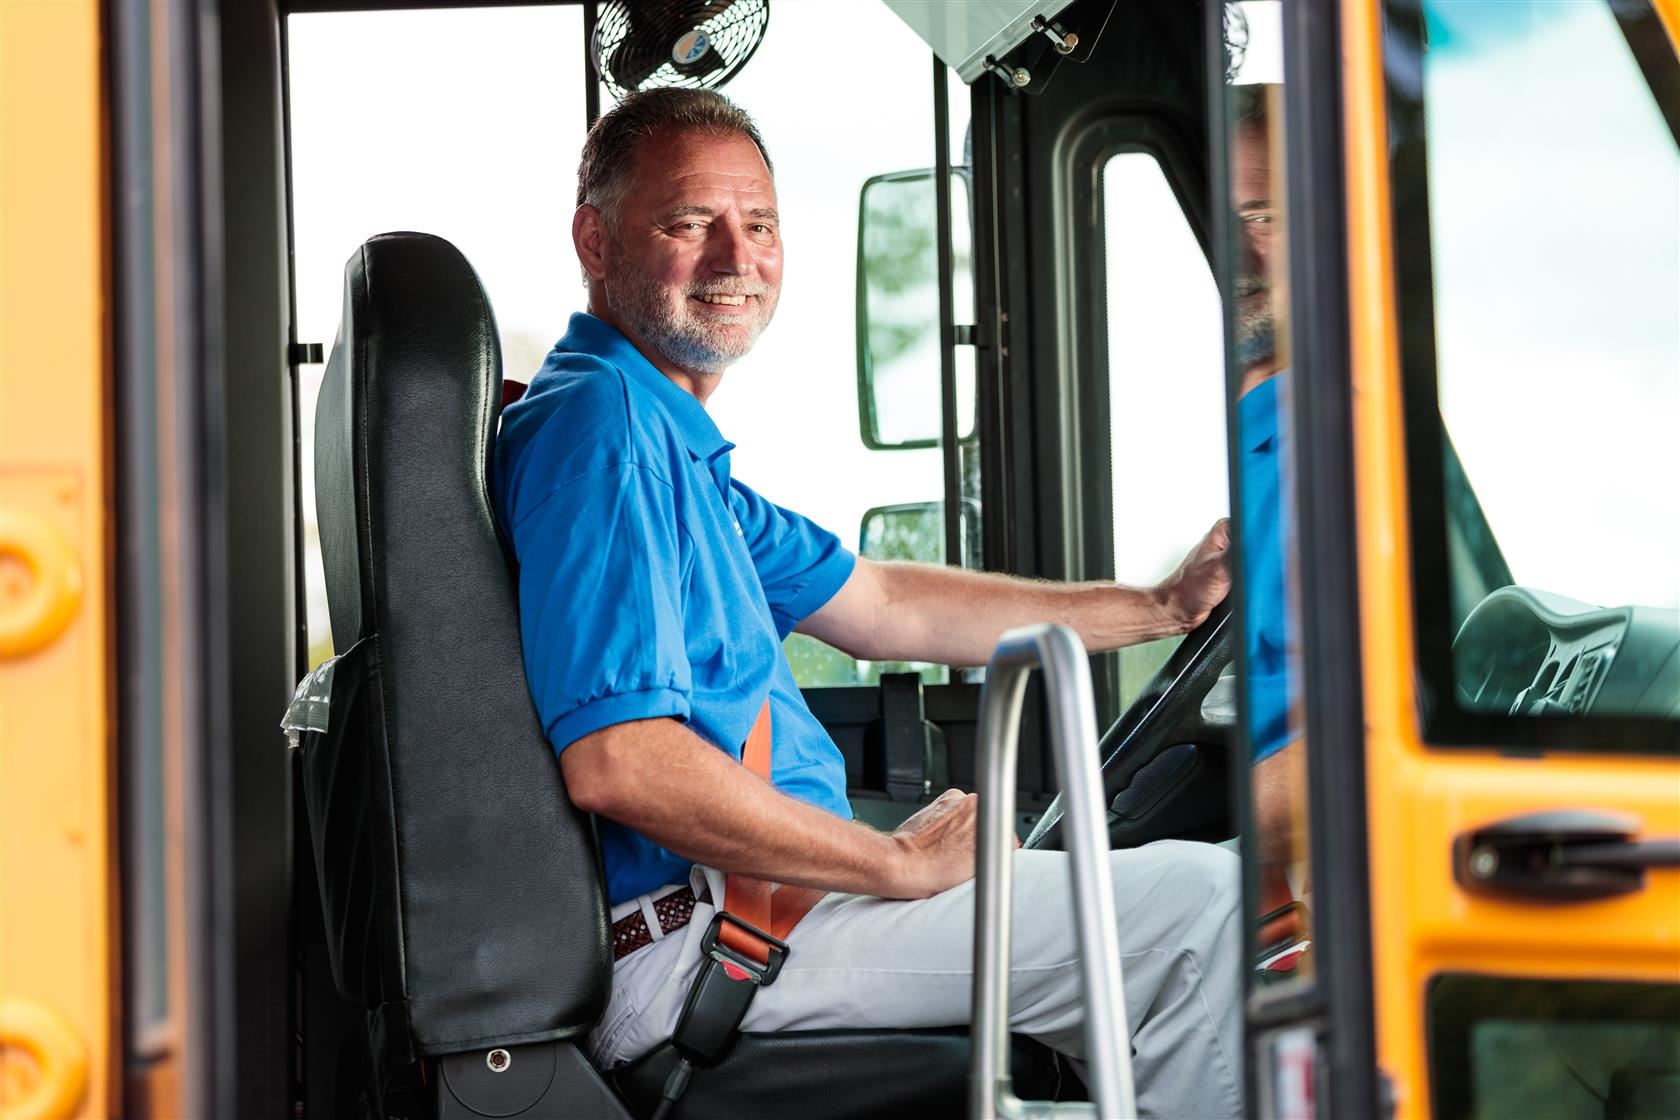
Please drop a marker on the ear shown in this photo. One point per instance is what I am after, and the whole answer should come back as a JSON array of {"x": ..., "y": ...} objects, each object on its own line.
[{"x": 589, "y": 237}]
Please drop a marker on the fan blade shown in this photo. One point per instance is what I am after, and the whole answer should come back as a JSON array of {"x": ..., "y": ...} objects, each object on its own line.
[{"x": 635, "y": 60}]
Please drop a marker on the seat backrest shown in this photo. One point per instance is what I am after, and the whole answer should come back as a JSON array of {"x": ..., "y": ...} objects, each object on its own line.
[{"x": 460, "y": 887}]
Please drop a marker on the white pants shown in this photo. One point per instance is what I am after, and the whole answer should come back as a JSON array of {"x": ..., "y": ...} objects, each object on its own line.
[{"x": 859, "y": 962}]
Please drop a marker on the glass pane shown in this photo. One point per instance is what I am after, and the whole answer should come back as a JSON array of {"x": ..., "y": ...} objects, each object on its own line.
[
  {"x": 1547, "y": 287},
  {"x": 1260, "y": 346},
  {"x": 1542, "y": 1049},
  {"x": 487, "y": 159},
  {"x": 1164, "y": 360}
]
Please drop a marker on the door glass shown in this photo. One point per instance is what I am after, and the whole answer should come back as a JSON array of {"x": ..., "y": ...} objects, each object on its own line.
[
  {"x": 1265, "y": 517},
  {"x": 1164, "y": 360},
  {"x": 1545, "y": 1049},
  {"x": 1536, "y": 175},
  {"x": 487, "y": 160}
]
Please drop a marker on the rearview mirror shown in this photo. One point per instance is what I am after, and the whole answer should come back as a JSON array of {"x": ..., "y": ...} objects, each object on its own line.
[
  {"x": 898, "y": 309},
  {"x": 916, "y": 531}
]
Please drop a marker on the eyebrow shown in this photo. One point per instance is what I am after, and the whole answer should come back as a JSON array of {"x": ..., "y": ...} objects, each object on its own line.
[
  {"x": 1255, "y": 204},
  {"x": 690, "y": 210}
]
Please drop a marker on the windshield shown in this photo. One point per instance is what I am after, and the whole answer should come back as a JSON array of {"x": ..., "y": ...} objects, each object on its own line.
[{"x": 1555, "y": 231}]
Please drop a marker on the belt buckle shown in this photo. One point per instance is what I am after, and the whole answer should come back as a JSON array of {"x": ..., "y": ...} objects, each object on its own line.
[{"x": 763, "y": 975}]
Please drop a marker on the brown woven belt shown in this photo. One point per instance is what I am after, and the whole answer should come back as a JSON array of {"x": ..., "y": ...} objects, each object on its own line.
[{"x": 630, "y": 932}]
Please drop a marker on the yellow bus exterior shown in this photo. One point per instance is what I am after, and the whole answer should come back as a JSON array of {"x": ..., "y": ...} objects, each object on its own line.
[{"x": 59, "y": 979}]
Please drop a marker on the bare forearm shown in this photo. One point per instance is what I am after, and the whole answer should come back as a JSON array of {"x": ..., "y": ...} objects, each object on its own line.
[
  {"x": 1280, "y": 804},
  {"x": 953, "y": 616},
  {"x": 660, "y": 779}
]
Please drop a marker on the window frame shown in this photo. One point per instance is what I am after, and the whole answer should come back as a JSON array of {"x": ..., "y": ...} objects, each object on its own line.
[
  {"x": 1082, "y": 301},
  {"x": 1443, "y": 722}
]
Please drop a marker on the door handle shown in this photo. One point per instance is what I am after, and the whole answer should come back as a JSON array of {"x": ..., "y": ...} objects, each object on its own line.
[{"x": 1566, "y": 855}]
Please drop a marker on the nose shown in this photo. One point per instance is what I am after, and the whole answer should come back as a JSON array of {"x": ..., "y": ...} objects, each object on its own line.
[
  {"x": 728, "y": 251},
  {"x": 1251, "y": 246}
]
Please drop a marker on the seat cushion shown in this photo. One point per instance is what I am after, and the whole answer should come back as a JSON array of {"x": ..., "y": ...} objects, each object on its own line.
[{"x": 827, "y": 1075}]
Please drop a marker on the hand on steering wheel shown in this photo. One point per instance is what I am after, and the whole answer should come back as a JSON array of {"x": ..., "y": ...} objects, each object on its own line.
[{"x": 1175, "y": 709}]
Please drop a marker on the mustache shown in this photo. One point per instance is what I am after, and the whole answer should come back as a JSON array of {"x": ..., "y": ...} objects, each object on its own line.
[{"x": 1252, "y": 283}]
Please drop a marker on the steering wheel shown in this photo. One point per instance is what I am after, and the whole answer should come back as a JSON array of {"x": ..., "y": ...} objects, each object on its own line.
[{"x": 1166, "y": 760}]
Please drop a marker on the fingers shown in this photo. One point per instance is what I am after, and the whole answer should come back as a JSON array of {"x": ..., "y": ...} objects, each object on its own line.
[
  {"x": 931, "y": 812},
  {"x": 941, "y": 840}
]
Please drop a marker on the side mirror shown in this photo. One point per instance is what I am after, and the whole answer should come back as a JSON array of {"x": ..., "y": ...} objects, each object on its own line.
[
  {"x": 916, "y": 531},
  {"x": 898, "y": 307}
]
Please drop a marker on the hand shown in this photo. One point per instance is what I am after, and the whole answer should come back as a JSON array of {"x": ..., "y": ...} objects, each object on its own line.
[
  {"x": 1201, "y": 581},
  {"x": 938, "y": 845}
]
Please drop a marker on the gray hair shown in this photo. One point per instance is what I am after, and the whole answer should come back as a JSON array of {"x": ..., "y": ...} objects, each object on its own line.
[{"x": 615, "y": 140}]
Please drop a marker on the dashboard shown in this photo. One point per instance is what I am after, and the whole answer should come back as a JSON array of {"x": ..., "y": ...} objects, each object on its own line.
[{"x": 1523, "y": 652}]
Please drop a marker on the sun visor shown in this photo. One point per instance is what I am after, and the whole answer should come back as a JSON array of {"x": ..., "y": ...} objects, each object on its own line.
[{"x": 964, "y": 35}]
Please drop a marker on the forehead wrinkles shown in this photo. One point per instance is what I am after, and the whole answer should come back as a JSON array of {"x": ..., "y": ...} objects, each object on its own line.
[
  {"x": 700, "y": 169},
  {"x": 717, "y": 192}
]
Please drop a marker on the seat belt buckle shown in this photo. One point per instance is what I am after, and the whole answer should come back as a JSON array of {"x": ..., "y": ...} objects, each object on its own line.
[
  {"x": 722, "y": 992},
  {"x": 716, "y": 947}
]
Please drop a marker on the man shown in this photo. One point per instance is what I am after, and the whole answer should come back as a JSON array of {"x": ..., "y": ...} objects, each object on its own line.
[
  {"x": 1273, "y": 692},
  {"x": 655, "y": 591}
]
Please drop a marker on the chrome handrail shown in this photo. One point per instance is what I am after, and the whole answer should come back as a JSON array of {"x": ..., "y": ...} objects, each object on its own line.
[{"x": 1067, "y": 679}]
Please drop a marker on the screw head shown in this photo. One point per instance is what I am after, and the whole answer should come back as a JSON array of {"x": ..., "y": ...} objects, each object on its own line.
[
  {"x": 1484, "y": 861},
  {"x": 1020, "y": 77},
  {"x": 498, "y": 1061}
]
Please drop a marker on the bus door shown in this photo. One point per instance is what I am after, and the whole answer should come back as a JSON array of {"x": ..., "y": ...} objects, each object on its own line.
[
  {"x": 1454, "y": 256},
  {"x": 1524, "y": 682}
]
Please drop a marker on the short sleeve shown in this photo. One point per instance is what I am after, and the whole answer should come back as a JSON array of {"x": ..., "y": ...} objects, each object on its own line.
[
  {"x": 600, "y": 602},
  {"x": 800, "y": 564}
]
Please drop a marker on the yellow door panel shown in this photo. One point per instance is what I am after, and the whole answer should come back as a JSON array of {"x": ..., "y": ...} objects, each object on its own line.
[
  {"x": 1426, "y": 925},
  {"x": 57, "y": 971}
]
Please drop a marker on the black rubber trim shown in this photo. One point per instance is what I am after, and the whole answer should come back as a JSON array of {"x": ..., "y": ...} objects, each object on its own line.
[{"x": 1328, "y": 555}]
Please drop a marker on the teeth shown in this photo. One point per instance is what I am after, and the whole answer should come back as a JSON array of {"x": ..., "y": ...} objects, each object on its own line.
[{"x": 727, "y": 301}]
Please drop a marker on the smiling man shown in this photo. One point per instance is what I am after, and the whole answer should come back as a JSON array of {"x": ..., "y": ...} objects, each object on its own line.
[{"x": 655, "y": 591}]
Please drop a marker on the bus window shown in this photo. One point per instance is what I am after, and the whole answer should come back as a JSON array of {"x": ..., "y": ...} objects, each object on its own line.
[
  {"x": 1166, "y": 392},
  {"x": 486, "y": 160},
  {"x": 1535, "y": 177}
]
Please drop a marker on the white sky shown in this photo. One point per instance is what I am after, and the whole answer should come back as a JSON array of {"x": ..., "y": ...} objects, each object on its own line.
[
  {"x": 467, "y": 124},
  {"x": 1555, "y": 211}
]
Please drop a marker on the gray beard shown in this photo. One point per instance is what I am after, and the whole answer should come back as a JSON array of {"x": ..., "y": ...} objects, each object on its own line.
[
  {"x": 1254, "y": 324},
  {"x": 640, "y": 303},
  {"x": 1256, "y": 340}
]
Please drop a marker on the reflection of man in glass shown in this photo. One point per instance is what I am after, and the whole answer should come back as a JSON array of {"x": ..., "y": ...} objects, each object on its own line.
[{"x": 1258, "y": 311}]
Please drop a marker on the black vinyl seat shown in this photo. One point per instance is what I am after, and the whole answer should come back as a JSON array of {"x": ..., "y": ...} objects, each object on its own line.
[{"x": 461, "y": 890}]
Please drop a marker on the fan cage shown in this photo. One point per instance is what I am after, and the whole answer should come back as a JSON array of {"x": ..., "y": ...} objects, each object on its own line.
[{"x": 733, "y": 28}]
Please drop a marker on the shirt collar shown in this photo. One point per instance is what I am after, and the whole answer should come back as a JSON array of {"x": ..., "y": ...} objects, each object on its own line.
[{"x": 587, "y": 334}]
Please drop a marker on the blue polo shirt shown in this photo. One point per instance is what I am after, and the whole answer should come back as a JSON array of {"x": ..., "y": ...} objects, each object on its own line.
[
  {"x": 1271, "y": 687},
  {"x": 651, "y": 583}
]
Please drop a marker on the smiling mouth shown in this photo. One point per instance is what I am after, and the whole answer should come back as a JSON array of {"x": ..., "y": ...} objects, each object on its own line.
[{"x": 721, "y": 300}]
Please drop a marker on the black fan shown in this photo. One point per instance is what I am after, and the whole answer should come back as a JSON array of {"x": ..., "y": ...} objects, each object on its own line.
[{"x": 693, "y": 44}]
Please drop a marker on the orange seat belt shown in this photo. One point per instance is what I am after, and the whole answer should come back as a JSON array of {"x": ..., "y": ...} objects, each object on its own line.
[{"x": 754, "y": 901}]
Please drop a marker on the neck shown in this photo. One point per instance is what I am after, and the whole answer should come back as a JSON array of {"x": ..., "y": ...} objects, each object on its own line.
[
  {"x": 1257, "y": 373},
  {"x": 696, "y": 383}
]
